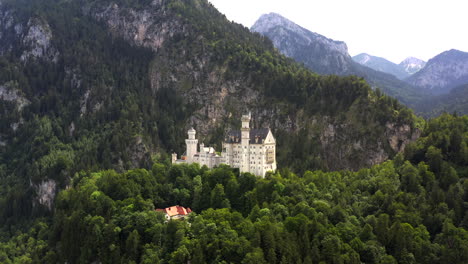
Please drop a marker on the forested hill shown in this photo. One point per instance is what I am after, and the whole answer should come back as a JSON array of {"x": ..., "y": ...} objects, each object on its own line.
[
  {"x": 408, "y": 210},
  {"x": 92, "y": 85}
]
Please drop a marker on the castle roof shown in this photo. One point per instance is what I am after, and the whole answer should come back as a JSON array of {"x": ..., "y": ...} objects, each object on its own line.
[{"x": 257, "y": 136}]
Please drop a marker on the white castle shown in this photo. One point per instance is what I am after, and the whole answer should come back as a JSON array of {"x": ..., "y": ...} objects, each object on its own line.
[{"x": 250, "y": 150}]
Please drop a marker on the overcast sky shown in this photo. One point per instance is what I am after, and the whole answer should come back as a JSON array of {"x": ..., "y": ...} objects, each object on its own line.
[{"x": 393, "y": 29}]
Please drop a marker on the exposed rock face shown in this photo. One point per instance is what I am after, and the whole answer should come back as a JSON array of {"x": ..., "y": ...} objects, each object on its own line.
[
  {"x": 46, "y": 193},
  {"x": 340, "y": 146},
  {"x": 7, "y": 25},
  {"x": 148, "y": 28},
  {"x": 329, "y": 56},
  {"x": 272, "y": 21},
  {"x": 400, "y": 136},
  {"x": 37, "y": 41},
  {"x": 34, "y": 36},
  {"x": 443, "y": 72},
  {"x": 8, "y": 92}
]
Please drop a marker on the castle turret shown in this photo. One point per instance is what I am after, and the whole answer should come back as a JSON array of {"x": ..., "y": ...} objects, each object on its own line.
[
  {"x": 191, "y": 143},
  {"x": 202, "y": 147},
  {"x": 245, "y": 137}
]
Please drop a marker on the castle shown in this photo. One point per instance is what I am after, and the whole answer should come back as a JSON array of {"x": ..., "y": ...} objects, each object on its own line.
[{"x": 250, "y": 150}]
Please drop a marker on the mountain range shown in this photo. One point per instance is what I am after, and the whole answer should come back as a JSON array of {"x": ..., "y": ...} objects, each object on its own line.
[
  {"x": 326, "y": 56},
  {"x": 413, "y": 81},
  {"x": 402, "y": 71}
]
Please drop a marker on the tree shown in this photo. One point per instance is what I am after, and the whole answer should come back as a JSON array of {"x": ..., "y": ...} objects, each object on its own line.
[
  {"x": 132, "y": 246},
  {"x": 218, "y": 197}
]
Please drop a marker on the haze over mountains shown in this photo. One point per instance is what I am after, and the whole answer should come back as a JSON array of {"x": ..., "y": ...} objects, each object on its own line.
[
  {"x": 326, "y": 56},
  {"x": 443, "y": 72},
  {"x": 402, "y": 71},
  {"x": 413, "y": 81}
]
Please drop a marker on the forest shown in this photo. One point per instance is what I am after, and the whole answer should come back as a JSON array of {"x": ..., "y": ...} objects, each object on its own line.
[{"x": 411, "y": 209}]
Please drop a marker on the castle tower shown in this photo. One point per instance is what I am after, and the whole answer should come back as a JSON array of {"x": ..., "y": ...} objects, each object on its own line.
[
  {"x": 191, "y": 143},
  {"x": 245, "y": 131}
]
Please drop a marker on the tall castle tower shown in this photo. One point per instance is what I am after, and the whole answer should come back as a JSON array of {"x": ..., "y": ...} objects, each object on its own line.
[
  {"x": 191, "y": 143},
  {"x": 245, "y": 131}
]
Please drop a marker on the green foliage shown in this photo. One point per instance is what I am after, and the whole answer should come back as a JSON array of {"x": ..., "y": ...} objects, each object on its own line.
[{"x": 390, "y": 213}]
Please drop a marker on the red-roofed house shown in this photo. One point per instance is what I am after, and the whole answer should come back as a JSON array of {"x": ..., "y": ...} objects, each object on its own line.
[{"x": 175, "y": 212}]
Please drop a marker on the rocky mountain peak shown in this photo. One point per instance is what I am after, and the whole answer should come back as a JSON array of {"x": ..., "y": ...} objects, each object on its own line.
[
  {"x": 275, "y": 23},
  {"x": 412, "y": 65},
  {"x": 362, "y": 58},
  {"x": 270, "y": 21}
]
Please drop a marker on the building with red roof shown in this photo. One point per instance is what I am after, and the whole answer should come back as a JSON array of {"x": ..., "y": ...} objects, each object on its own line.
[{"x": 175, "y": 212}]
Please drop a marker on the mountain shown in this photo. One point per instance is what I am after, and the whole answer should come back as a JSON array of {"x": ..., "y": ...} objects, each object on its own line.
[
  {"x": 443, "y": 72},
  {"x": 412, "y": 65},
  {"x": 329, "y": 56},
  {"x": 94, "y": 85},
  {"x": 326, "y": 56},
  {"x": 381, "y": 64}
]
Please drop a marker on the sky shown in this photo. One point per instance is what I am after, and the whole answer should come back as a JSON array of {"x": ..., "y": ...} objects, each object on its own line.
[{"x": 392, "y": 29}]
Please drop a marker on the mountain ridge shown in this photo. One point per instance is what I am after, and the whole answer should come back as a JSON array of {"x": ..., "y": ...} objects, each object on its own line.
[
  {"x": 319, "y": 57},
  {"x": 443, "y": 72},
  {"x": 381, "y": 64}
]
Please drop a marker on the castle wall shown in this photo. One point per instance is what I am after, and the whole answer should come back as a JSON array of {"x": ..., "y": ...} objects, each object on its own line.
[{"x": 256, "y": 155}]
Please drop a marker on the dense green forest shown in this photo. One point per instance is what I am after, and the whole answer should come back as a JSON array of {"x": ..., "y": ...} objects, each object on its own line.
[{"x": 408, "y": 210}]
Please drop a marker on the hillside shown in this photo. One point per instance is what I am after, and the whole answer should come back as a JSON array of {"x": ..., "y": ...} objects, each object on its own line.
[
  {"x": 93, "y": 85},
  {"x": 326, "y": 56},
  {"x": 408, "y": 210},
  {"x": 456, "y": 101}
]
